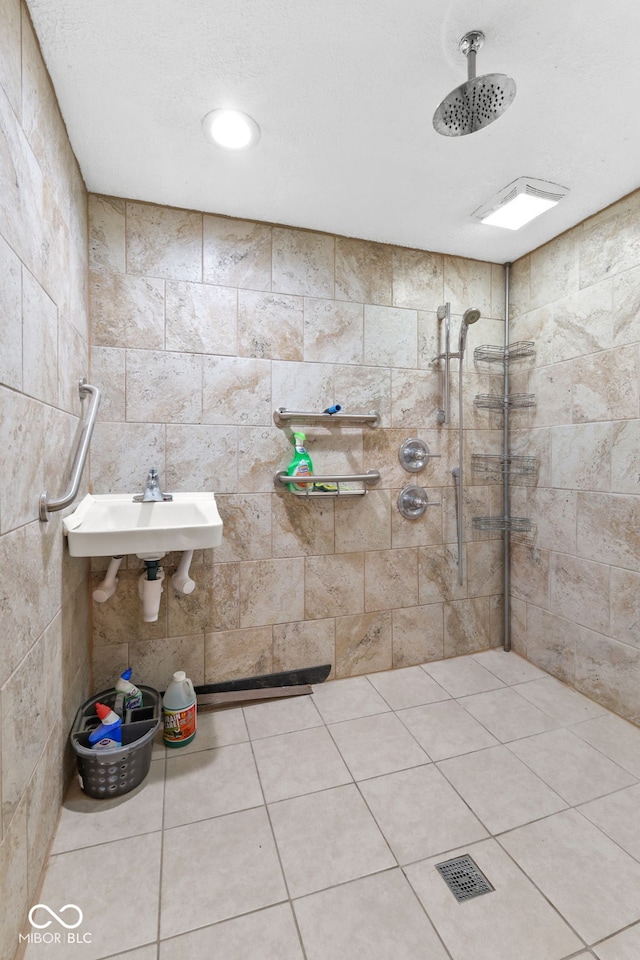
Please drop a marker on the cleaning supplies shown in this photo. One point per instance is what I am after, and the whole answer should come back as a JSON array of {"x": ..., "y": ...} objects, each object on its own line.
[
  {"x": 109, "y": 733},
  {"x": 301, "y": 465},
  {"x": 179, "y": 712},
  {"x": 132, "y": 696}
]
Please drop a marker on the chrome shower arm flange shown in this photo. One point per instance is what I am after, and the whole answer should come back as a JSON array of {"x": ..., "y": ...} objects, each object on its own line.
[{"x": 471, "y": 42}]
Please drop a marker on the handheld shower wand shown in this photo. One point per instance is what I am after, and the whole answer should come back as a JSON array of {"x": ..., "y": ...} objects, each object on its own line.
[{"x": 469, "y": 316}]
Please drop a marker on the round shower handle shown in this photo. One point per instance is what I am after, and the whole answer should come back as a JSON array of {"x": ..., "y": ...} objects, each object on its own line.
[
  {"x": 413, "y": 501},
  {"x": 414, "y": 455}
]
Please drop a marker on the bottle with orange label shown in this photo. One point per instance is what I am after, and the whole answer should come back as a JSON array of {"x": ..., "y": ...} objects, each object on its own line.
[
  {"x": 301, "y": 465},
  {"x": 179, "y": 712}
]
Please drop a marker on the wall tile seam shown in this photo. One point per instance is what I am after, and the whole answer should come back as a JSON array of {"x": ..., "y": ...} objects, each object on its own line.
[
  {"x": 422, "y": 308},
  {"x": 612, "y": 272},
  {"x": 427, "y": 308},
  {"x": 29, "y": 650},
  {"x": 53, "y": 735},
  {"x": 20, "y": 392},
  {"x": 577, "y": 626}
]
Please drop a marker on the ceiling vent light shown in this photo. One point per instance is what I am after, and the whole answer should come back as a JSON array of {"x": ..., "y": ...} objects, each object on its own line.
[
  {"x": 230, "y": 129},
  {"x": 520, "y": 202}
]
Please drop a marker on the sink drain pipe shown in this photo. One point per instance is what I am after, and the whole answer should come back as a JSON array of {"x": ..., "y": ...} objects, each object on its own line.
[{"x": 107, "y": 587}]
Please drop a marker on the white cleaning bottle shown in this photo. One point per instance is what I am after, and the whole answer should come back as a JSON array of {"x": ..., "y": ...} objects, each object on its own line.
[
  {"x": 179, "y": 712},
  {"x": 132, "y": 696}
]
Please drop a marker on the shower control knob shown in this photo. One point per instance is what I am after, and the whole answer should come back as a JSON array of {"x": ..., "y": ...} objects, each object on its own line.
[
  {"x": 413, "y": 501},
  {"x": 414, "y": 455}
]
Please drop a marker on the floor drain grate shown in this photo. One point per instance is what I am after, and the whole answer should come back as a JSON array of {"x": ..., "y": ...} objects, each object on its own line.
[{"x": 463, "y": 878}]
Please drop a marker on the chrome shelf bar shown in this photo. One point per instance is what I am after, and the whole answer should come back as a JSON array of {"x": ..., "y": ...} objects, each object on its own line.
[
  {"x": 47, "y": 505},
  {"x": 282, "y": 478},
  {"x": 282, "y": 416}
]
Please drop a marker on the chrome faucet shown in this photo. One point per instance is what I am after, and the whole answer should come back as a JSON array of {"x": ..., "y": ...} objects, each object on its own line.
[{"x": 152, "y": 492}]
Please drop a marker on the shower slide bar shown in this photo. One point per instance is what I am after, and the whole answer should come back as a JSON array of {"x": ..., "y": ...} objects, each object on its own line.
[
  {"x": 283, "y": 416},
  {"x": 444, "y": 314},
  {"x": 47, "y": 505}
]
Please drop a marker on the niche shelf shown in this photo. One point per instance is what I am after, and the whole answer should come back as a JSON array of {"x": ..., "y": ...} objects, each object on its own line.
[{"x": 515, "y": 351}]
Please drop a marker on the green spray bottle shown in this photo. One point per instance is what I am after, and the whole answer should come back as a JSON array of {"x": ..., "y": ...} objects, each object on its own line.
[{"x": 301, "y": 465}]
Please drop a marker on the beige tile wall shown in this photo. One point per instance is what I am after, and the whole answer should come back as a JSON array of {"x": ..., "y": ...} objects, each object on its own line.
[
  {"x": 202, "y": 327},
  {"x": 576, "y": 585},
  {"x": 44, "y": 649}
]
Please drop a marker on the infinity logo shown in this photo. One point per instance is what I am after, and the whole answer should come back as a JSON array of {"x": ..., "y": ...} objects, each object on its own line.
[{"x": 56, "y": 916}]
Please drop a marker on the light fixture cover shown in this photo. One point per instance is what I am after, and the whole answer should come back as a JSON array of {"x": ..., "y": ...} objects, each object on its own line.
[
  {"x": 519, "y": 202},
  {"x": 230, "y": 129}
]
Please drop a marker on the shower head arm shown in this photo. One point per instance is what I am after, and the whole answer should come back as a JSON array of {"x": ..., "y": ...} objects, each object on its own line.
[
  {"x": 469, "y": 46},
  {"x": 471, "y": 65}
]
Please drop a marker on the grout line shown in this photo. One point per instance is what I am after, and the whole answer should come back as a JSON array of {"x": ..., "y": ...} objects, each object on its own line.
[
  {"x": 496, "y": 836},
  {"x": 540, "y": 891},
  {"x": 277, "y": 848},
  {"x": 160, "y": 876}
]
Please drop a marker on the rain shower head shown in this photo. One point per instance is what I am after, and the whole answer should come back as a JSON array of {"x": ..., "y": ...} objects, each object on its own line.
[{"x": 478, "y": 102}]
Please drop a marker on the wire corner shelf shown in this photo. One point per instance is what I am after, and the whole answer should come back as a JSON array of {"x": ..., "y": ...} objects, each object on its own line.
[
  {"x": 503, "y": 524},
  {"x": 497, "y": 467},
  {"x": 514, "y": 351},
  {"x": 515, "y": 401}
]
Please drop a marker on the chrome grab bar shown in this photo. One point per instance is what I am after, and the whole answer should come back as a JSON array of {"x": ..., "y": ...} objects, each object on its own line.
[
  {"x": 371, "y": 476},
  {"x": 282, "y": 478},
  {"x": 48, "y": 506},
  {"x": 282, "y": 416}
]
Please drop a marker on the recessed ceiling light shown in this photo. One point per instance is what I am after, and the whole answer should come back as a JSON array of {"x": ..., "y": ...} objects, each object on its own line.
[
  {"x": 230, "y": 129},
  {"x": 520, "y": 202}
]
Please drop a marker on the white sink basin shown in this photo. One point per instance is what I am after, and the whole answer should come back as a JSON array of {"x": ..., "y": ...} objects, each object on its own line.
[{"x": 112, "y": 524}]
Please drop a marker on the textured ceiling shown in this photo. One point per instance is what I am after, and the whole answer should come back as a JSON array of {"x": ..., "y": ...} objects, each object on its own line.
[{"x": 344, "y": 92}]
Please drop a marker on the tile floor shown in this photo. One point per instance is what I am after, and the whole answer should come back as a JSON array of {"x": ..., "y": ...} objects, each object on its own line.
[{"x": 310, "y": 828}]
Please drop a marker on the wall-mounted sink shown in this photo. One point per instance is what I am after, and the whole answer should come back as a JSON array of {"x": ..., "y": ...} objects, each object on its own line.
[{"x": 112, "y": 524}]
